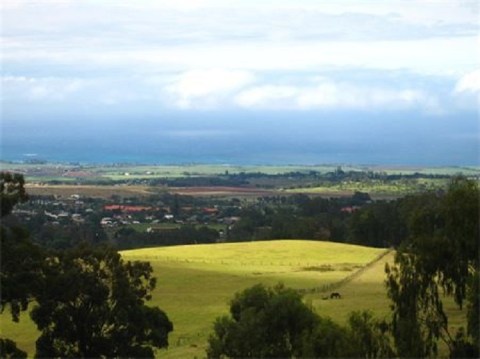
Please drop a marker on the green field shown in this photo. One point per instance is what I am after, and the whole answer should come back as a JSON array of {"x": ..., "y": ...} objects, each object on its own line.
[
  {"x": 196, "y": 282},
  {"x": 375, "y": 187},
  {"x": 56, "y": 171}
]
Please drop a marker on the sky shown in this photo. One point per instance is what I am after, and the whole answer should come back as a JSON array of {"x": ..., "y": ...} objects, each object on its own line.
[{"x": 394, "y": 80}]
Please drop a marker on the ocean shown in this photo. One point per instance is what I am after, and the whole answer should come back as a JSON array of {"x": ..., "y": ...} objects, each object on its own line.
[{"x": 251, "y": 140}]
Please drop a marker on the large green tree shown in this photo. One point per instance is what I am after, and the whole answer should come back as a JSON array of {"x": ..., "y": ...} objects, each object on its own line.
[
  {"x": 440, "y": 255},
  {"x": 20, "y": 264},
  {"x": 93, "y": 304},
  {"x": 89, "y": 302},
  {"x": 275, "y": 323},
  {"x": 263, "y": 323}
]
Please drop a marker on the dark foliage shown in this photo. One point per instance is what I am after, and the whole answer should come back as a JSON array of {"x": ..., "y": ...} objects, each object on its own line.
[
  {"x": 275, "y": 323},
  {"x": 264, "y": 323},
  {"x": 93, "y": 305},
  {"x": 21, "y": 260},
  {"x": 441, "y": 252},
  {"x": 9, "y": 350},
  {"x": 128, "y": 238},
  {"x": 12, "y": 191}
]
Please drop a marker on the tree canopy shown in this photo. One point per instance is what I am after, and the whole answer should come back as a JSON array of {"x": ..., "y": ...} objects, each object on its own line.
[
  {"x": 89, "y": 302},
  {"x": 94, "y": 305},
  {"x": 264, "y": 323},
  {"x": 21, "y": 260},
  {"x": 274, "y": 322},
  {"x": 441, "y": 253}
]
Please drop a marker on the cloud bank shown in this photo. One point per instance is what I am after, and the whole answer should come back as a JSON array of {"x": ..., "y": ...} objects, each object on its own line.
[{"x": 212, "y": 55}]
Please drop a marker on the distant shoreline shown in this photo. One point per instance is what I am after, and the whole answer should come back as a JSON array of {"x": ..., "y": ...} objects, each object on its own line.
[{"x": 364, "y": 166}]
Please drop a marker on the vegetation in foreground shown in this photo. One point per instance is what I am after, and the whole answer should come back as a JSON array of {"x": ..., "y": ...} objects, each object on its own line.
[
  {"x": 275, "y": 323},
  {"x": 440, "y": 226},
  {"x": 195, "y": 282},
  {"x": 88, "y": 302}
]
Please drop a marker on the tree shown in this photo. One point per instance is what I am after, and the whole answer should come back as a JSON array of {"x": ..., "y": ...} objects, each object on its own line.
[
  {"x": 94, "y": 305},
  {"x": 274, "y": 323},
  {"x": 12, "y": 191},
  {"x": 263, "y": 323},
  {"x": 328, "y": 340},
  {"x": 21, "y": 260},
  {"x": 371, "y": 336},
  {"x": 440, "y": 253}
]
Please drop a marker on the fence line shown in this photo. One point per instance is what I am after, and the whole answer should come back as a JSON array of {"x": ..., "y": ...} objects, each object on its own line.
[{"x": 350, "y": 277}]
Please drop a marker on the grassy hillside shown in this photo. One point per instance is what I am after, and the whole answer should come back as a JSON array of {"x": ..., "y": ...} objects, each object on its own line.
[{"x": 196, "y": 282}]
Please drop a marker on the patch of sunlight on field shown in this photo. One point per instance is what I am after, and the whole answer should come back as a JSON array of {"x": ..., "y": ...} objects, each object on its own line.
[
  {"x": 351, "y": 187},
  {"x": 364, "y": 292},
  {"x": 269, "y": 255},
  {"x": 24, "y": 333},
  {"x": 195, "y": 283}
]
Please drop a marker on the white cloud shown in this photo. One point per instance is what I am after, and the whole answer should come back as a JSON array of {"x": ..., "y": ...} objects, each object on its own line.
[
  {"x": 469, "y": 83},
  {"x": 205, "y": 88},
  {"x": 273, "y": 96},
  {"x": 422, "y": 56},
  {"x": 224, "y": 89},
  {"x": 40, "y": 89},
  {"x": 338, "y": 96},
  {"x": 419, "y": 11},
  {"x": 203, "y": 53}
]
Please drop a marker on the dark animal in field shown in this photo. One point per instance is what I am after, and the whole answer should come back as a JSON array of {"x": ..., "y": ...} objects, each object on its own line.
[{"x": 335, "y": 295}]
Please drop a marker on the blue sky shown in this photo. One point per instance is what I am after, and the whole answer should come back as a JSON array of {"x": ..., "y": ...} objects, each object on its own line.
[{"x": 206, "y": 68}]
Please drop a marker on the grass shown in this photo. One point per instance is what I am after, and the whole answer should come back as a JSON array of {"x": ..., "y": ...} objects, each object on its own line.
[
  {"x": 24, "y": 333},
  {"x": 364, "y": 292},
  {"x": 196, "y": 282},
  {"x": 376, "y": 187}
]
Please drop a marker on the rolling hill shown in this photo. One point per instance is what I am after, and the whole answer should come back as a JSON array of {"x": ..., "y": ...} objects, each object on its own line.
[{"x": 196, "y": 282}]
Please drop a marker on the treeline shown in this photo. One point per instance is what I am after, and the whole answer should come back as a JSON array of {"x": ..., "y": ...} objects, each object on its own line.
[
  {"x": 355, "y": 220},
  {"x": 311, "y": 178},
  {"x": 128, "y": 238}
]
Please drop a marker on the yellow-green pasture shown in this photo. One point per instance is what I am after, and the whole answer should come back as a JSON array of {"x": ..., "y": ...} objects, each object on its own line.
[
  {"x": 195, "y": 283},
  {"x": 375, "y": 187}
]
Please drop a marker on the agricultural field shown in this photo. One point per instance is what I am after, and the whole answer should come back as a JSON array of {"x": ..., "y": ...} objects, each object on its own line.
[
  {"x": 204, "y": 180},
  {"x": 374, "y": 188},
  {"x": 116, "y": 172},
  {"x": 45, "y": 172},
  {"x": 91, "y": 191}
]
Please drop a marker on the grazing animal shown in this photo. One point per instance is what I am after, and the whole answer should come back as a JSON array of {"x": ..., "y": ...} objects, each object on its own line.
[{"x": 335, "y": 295}]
